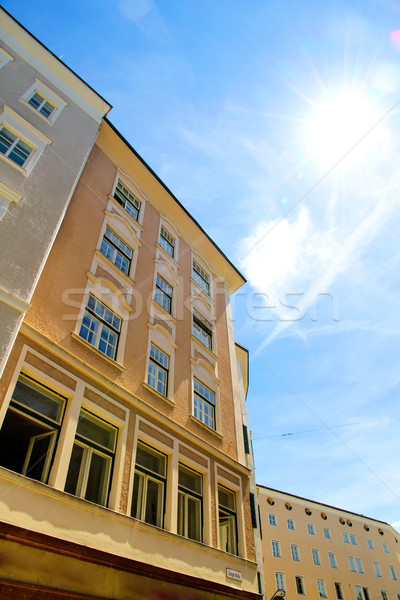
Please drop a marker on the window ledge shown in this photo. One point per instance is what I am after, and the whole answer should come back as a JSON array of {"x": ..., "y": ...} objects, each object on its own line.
[
  {"x": 45, "y": 119},
  {"x": 118, "y": 205},
  {"x": 204, "y": 349},
  {"x": 172, "y": 260},
  {"x": 97, "y": 352},
  {"x": 117, "y": 272},
  {"x": 156, "y": 393},
  {"x": 206, "y": 427},
  {"x": 164, "y": 313},
  {"x": 14, "y": 165}
]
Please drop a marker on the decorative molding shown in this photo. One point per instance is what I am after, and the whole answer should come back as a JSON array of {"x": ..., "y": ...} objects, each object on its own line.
[{"x": 16, "y": 303}]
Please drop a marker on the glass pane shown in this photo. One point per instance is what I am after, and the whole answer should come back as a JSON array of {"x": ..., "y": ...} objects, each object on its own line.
[
  {"x": 20, "y": 153},
  {"x": 226, "y": 498},
  {"x": 189, "y": 479},
  {"x": 98, "y": 479},
  {"x": 194, "y": 518},
  {"x": 153, "y": 512},
  {"x": 151, "y": 460},
  {"x": 97, "y": 431},
  {"x": 137, "y": 496},
  {"x": 74, "y": 470},
  {"x": 227, "y": 533},
  {"x": 47, "y": 109},
  {"x": 6, "y": 140},
  {"x": 39, "y": 400},
  {"x": 39, "y": 456}
]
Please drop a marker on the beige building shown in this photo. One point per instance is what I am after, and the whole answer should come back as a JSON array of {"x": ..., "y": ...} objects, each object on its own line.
[
  {"x": 49, "y": 119},
  {"x": 126, "y": 469},
  {"x": 316, "y": 551}
]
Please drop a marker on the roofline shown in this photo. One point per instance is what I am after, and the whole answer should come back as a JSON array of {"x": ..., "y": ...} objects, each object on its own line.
[
  {"x": 350, "y": 512},
  {"x": 160, "y": 181},
  {"x": 56, "y": 57}
]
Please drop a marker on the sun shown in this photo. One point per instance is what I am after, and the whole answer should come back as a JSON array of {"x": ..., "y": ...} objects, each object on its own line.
[{"x": 345, "y": 125}]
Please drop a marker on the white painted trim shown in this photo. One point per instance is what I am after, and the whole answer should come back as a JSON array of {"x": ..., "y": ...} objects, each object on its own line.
[{"x": 16, "y": 303}]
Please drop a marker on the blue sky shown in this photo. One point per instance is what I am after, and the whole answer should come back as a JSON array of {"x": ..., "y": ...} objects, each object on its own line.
[{"x": 276, "y": 124}]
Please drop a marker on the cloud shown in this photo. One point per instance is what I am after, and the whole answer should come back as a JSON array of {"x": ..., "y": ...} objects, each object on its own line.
[
  {"x": 133, "y": 10},
  {"x": 396, "y": 525}
]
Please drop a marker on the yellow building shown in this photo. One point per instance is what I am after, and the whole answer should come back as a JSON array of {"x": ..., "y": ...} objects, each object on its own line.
[
  {"x": 315, "y": 551},
  {"x": 125, "y": 461}
]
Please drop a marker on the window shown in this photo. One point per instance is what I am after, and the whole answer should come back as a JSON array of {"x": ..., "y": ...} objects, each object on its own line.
[
  {"x": 352, "y": 565},
  {"x": 370, "y": 544},
  {"x": 157, "y": 376},
  {"x": 384, "y": 595},
  {"x": 327, "y": 533},
  {"x": 272, "y": 519},
  {"x": 204, "y": 404},
  {"x": 116, "y": 251},
  {"x": 276, "y": 549},
  {"x": 385, "y": 547},
  {"x": 315, "y": 557},
  {"x": 100, "y": 327},
  {"x": 332, "y": 560},
  {"x": 201, "y": 277},
  {"x": 90, "y": 467},
  {"x": 346, "y": 538},
  {"x": 290, "y": 524},
  {"x": 310, "y": 529},
  {"x": 322, "y": 588},
  {"x": 163, "y": 294},
  {"x": 149, "y": 485},
  {"x": 202, "y": 329},
  {"x": 44, "y": 101},
  {"x": 358, "y": 591},
  {"x": 392, "y": 573},
  {"x": 280, "y": 581},
  {"x": 13, "y": 147},
  {"x": 353, "y": 540},
  {"x": 295, "y": 552},
  {"x": 359, "y": 566},
  {"x": 377, "y": 569},
  {"x": 299, "y": 585},
  {"x": 40, "y": 104},
  {"x": 167, "y": 242},
  {"x": 127, "y": 200},
  {"x": 30, "y": 430},
  {"x": 339, "y": 591},
  {"x": 190, "y": 503},
  {"x": 227, "y": 520}
]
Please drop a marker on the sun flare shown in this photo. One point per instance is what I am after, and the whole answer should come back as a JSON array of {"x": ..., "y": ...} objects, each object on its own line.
[{"x": 344, "y": 123}]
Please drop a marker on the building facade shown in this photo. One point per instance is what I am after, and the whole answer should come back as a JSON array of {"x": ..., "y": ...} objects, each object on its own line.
[
  {"x": 316, "y": 551},
  {"x": 49, "y": 119},
  {"x": 125, "y": 467}
]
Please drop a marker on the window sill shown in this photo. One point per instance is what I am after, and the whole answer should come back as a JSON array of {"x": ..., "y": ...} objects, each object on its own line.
[
  {"x": 97, "y": 352},
  {"x": 115, "y": 271},
  {"x": 203, "y": 348},
  {"x": 206, "y": 427},
  {"x": 14, "y": 165},
  {"x": 164, "y": 313},
  {"x": 25, "y": 103},
  {"x": 124, "y": 212},
  {"x": 158, "y": 394},
  {"x": 168, "y": 257}
]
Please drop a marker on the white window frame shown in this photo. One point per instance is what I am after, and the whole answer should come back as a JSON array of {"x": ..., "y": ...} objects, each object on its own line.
[
  {"x": 120, "y": 179},
  {"x": 338, "y": 587},
  {"x": 310, "y": 528},
  {"x": 48, "y": 95},
  {"x": 332, "y": 560},
  {"x": 272, "y": 519},
  {"x": 162, "y": 338},
  {"x": 201, "y": 324},
  {"x": 145, "y": 476},
  {"x": 301, "y": 579},
  {"x": 377, "y": 569},
  {"x": 28, "y": 134},
  {"x": 358, "y": 592},
  {"x": 392, "y": 572},
  {"x": 385, "y": 547},
  {"x": 5, "y": 58},
  {"x": 103, "y": 325},
  {"x": 322, "y": 588},
  {"x": 353, "y": 539},
  {"x": 155, "y": 367},
  {"x": 294, "y": 550},
  {"x": 276, "y": 549},
  {"x": 203, "y": 283},
  {"x": 118, "y": 249},
  {"x": 229, "y": 513},
  {"x": 167, "y": 241},
  {"x": 316, "y": 557},
  {"x": 345, "y": 537},
  {"x": 185, "y": 495},
  {"x": 327, "y": 533},
  {"x": 161, "y": 293},
  {"x": 370, "y": 544},
  {"x": 280, "y": 580},
  {"x": 359, "y": 566},
  {"x": 200, "y": 402},
  {"x": 292, "y": 522},
  {"x": 384, "y": 595}
]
